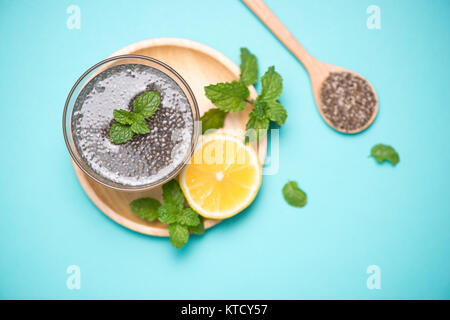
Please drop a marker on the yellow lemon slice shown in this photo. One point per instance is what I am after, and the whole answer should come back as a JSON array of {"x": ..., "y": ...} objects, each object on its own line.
[{"x": 222, "y": 178}]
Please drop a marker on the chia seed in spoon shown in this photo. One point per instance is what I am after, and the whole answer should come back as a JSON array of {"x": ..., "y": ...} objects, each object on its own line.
[{"x": 348, "y": 101}]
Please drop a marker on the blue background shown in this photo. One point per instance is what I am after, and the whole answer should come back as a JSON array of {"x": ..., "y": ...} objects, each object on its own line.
[{"x": 359, "y": 213}]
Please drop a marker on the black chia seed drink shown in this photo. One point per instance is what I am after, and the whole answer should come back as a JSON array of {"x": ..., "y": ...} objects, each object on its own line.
[{"x": 147, "y": 158}]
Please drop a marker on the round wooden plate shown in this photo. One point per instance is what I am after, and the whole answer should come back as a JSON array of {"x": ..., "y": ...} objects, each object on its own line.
[{"x": 199, "y": 65}]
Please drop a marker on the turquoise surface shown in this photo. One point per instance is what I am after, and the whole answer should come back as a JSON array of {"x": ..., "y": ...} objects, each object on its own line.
[{"x": 359, "y": 213}]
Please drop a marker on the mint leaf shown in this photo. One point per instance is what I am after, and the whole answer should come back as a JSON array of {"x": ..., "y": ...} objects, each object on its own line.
[
  {"x": 228, "y": 96},
  {"x": 179, "y": 235},
  {"x": 382, "y": 152},
  {"x": 275, "y": 112},
  {"x": 294, "y": 195},
  {"x": 120, "y": 133},
  {"x": 146, "y": 208},
  {"x": 213, "y": 119},
  {"x": 181, "y": 220},
  {"x": 249, "y": 67},
  {"x": 266, "y": 108},
  {"x": 272, "y": 85},
  {"x": 139, "y": 125},
  {"x": 128, "y": 123},
  {"x": 147, "y": 103},
  {"x": 198, "y": 229},
  {"x": 256, "y": 127},
  {"x": 172, "y": 194},
  {"x": 188, "y": 217},
  {"x": 168, "y": 213},
  {"x": 259, "y": 109},
  {"x": 123, "y": 116}
]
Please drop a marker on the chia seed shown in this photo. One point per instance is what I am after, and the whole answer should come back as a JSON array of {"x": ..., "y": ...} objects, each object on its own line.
[
  {"x": 146, "y": 158},
  {"x": 348, "y": 101}
]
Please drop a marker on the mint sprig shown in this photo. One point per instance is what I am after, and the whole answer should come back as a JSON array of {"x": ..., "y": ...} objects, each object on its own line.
[
  {"x": 234, "y": 96},
  {"x": 127, "y": 123},
  {"x": 182, "y": 220}
]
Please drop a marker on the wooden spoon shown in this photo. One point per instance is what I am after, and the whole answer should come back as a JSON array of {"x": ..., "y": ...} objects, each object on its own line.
[{"x": 317, "y": 70}]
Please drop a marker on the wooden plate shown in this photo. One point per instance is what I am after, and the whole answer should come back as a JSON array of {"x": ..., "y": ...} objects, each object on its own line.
[{"x": 199, "y": 65}]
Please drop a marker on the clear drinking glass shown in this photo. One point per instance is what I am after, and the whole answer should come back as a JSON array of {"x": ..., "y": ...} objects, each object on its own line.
[{"x": 90, "y": 74}]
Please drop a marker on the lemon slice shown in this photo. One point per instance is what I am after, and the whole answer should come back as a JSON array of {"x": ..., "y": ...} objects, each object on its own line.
[{"x": 222, "y": 178}]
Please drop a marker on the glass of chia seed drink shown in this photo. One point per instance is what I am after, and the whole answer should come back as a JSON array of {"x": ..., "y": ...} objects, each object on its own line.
[{"x": 147, "y": 160}]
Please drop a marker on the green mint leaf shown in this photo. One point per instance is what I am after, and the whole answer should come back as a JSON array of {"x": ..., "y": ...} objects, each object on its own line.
[
  {"x": 168, "y": 213},
  {"x": 123, "y": 116},
  {"x": 294, "y": 195},
  {"x": 275, "y": 112},
  {"x": 179, "y": 235},
  {"x": 272, "y": 85},
  {"x": 172, "y": 194},
  {"x": 146, "y": 208},
  {"x": 259, "y": 109},
  {"x": 120, "y": 133},
  {"x": 256, "y": 127},
  {"x": 249, "y": 67},
  {"x": 213, "y": 119},
  {"x": 382, "y": 152},
  {"x": 198, "y": 229},
  {"x": 188, "y": 217},
  {"x": 139, "y": 125},
  {"x": 228, "y": 96},
  {"x": 147, "y": 103}
]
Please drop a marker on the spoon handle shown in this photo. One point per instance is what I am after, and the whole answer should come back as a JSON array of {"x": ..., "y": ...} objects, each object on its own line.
[{"x": 262, "y": 11}]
